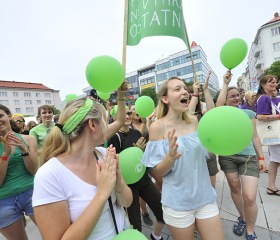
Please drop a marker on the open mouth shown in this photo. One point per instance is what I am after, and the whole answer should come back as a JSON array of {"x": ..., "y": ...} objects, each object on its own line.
[{"x": 184, "y": 100}]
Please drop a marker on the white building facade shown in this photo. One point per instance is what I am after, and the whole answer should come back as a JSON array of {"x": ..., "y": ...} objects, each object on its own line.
[
  {"x": 265, "y": 49},
  {"x": 25, "y": 98}
]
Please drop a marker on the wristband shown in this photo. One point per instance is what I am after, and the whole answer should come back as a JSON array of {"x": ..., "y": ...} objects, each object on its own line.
[
  {"x": 261, "y": 158},
  {"x": 25, "y": 154},
  {"x": 4, "y": 158},
  {"x": 195, "y": 95}
]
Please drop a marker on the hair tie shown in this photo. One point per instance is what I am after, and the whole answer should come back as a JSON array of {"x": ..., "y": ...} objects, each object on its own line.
[{"x": 60, "y": 126}]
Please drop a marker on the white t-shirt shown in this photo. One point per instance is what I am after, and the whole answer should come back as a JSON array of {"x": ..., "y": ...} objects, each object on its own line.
[{"x": 54, "y": 182}]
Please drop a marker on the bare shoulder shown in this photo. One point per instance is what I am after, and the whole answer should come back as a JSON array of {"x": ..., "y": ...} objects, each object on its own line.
[{"x": 156, "y": 130}]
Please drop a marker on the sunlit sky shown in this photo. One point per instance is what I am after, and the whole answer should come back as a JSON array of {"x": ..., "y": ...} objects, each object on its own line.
[{"x": 51, "y": 42}]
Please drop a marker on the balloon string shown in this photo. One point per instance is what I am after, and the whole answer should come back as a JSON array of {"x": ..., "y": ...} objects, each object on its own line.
[{"x": 246, "y": 165}]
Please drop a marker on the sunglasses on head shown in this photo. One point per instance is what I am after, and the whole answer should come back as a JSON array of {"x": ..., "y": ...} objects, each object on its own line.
[{"x": 19, "y": 121}]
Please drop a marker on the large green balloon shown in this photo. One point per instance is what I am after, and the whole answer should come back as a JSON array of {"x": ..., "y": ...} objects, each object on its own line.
[
  {"x": 130, "y": 234},
  {"x": 103, "y": 95},
  {"x": 105, "y": 73},
  {"x": 130, "y": 164},
  {"x": 225, "y": 130},
  {"x": 233, "y": 52},
  {"x": 71, "y": 97},
  {"x": 144, "y": 106}
]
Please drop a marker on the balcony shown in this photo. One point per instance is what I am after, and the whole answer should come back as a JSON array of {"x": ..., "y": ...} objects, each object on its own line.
[
  {"x": 257, "y": 51},
  {"x": 258, "y": 63}
]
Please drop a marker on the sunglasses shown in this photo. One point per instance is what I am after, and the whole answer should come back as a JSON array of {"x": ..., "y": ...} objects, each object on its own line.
[
  {"x": 128, "y": 113},
  {"x": 19, "y": 121}
]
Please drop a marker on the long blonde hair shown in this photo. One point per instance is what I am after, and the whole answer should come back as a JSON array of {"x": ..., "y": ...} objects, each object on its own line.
[
  {"x": 57, "y": 142},
  {"x": 162, "y": 107}
]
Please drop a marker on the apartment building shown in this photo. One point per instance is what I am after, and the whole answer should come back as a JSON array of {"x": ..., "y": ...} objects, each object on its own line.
[
  {"x": 25, "y": 98},
  {"x": 265, "y": 49}
]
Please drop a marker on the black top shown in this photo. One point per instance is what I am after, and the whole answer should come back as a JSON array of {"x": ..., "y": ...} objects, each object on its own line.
[{"x": 127, "y": 139}]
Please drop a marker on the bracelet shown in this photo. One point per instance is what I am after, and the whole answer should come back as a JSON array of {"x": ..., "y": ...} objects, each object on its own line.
[
  {"x": 121, "y": 189},
  {"x": 25, "y": 154},
  {"x": 4, "y": 158},
  {"x": 261, "y": 158},
  {"x": 194, "y": 95}
]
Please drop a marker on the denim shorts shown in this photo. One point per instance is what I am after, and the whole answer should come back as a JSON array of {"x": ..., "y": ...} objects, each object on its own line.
[{"x": 11, "y": 208}]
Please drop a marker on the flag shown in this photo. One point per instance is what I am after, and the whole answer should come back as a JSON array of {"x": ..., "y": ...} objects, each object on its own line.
[{"x": 155, "y": 18}]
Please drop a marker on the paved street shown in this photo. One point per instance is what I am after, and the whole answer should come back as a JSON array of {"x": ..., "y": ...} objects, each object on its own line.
[{"x": 268, "y": 221}]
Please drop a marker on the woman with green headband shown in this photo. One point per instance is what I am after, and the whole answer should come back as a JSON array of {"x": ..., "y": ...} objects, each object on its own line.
[{"x": 74, "y": 187}]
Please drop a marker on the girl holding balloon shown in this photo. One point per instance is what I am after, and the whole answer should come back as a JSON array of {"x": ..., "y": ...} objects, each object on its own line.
[
  {"x": 242, "y": 169},
  {"x": 175, "y": 153}
]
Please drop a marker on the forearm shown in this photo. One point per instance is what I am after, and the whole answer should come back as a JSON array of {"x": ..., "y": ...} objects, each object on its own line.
[
  {"x": 164, "y": 167},
  {"x": 208, "y": 100},
  {"x": 3, "y": 168},
  {"x": 222, "y": 96},
  {"x": 31, "y": 163},
  {"x": 83, "y": 226},
  {"x": 192, "y": 104},
  {"x": 124, "y": 194},
  {"x": 268, "y": 118}
]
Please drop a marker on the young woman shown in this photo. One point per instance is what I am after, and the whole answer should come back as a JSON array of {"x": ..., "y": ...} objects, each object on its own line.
[
  {"x": 175, "y": 153},
  {"x": 18, "y": 164},
  {"x": 74, "y": 186},
  {"x": 127, "y": 137},
  {"x": 267, "y": 103},
  {"x": 242, "y": 169},
  {"x": 20, "y": 121}
]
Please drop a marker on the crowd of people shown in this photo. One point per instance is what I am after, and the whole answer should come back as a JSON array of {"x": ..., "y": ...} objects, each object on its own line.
[{"x": 63, "y": 171}]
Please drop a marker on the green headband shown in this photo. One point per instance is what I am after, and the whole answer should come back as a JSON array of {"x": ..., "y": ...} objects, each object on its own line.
[{"x": 77, "y": 117}]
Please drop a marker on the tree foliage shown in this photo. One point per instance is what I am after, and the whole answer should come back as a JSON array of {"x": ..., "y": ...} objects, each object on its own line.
[
  {"x": 56, "y": 111},
  {"x": 151, "y": 92},
  {"x": 274, "y": 69}
]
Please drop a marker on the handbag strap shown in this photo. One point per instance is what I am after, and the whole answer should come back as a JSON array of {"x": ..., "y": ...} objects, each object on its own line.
[{"x": 113, "y": 214}]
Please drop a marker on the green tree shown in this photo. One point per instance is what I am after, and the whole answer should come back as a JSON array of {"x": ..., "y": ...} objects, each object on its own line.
[
  {"x": 151, "y": 92},
  {"x": 274, "y": 70},
  {"x": 56, "y": 111}
]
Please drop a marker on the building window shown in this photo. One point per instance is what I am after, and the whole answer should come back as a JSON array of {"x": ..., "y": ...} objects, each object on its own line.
[
  {"x": 4, "y": 102},
  {"x": 275, "y": 31},
  {"x": 15, "y": 94},
  {"x": 3, "y": 94},
  {"x": 276, "y": 46},
  {"x": 38, "y": 102},
  {"x": 37, "y": 95},
  {"x": 16, "y": 102},
  {"x": 47, "y": 95},
  {"x": 27, "y": 94},
  {"x": 28, "y": 102},
  {"x": 18, "y": 110},
  {"x": 29, "y": 109},
  {"x": 48, "y": 102}
]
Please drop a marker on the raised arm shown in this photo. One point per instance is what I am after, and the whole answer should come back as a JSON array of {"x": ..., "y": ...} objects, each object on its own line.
[
  {"x": 223, "y": 93},
  {"x": 208, "y": 98},
  {"x": 120, "y": 117}
]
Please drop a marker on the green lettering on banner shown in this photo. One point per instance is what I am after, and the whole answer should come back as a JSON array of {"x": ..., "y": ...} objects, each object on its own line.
[{"x": 155, "y": 18}]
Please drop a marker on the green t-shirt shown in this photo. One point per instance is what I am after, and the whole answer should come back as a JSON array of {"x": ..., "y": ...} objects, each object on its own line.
[
  {"x": 40, "y": 132},
  {"x": 17, "y": 179}
]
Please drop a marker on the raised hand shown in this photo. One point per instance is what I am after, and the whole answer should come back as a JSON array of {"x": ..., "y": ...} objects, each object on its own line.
[
  {"x": 227, "y": 77},
  {"x": 173, "y": 146},
  {"x": 205, "y": 86},
  {"x": 141, "y": 143}
]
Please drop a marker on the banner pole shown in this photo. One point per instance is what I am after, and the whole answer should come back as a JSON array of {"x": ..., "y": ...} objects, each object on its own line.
[{"x": 125, "y": 34}]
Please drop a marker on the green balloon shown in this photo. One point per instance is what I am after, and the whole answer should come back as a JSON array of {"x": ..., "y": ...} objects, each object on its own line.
[
  {"x": 103, "y": 95},
  {"x": 225, "y": 130},
  {"x": 130, "y": 164},
  {"x": 233, "y": 52},
  {"x": 105, "y": 73},
  {"x": 144, "y": 106},
  {"x": 71, "y": 97},
  {"x": 130, "y": 234}
]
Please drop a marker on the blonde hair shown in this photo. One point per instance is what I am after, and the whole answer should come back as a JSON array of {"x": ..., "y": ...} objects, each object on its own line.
[
  {"x": 58, "y": 142},
  {"x": 162, "y": 107}
]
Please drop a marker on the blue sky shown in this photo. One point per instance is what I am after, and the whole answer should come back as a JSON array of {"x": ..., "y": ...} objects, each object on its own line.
[{"x": 51, "y": 42}]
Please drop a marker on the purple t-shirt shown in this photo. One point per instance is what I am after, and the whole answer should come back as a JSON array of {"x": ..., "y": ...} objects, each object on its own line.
[{"x": 264, "y": 105}]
